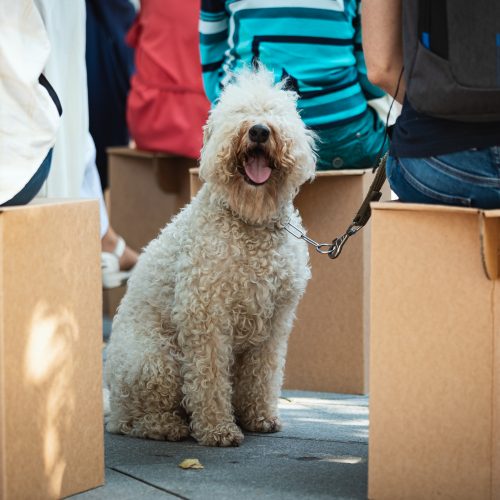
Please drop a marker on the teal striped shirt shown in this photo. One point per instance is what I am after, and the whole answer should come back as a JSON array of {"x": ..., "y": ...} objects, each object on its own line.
[{"x": 315, "y": 43}]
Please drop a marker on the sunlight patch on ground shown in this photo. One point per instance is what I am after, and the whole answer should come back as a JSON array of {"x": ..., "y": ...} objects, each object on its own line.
[
  {"x": 320, "y": 404},
  {"x": 334, "y": 421},
  {"x": 344, "y": 460}
]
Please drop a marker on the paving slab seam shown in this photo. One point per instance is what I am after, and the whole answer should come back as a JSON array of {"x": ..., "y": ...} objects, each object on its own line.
[
  {"x": 307, "y": 439},
  {"x": 152, "y": 485}
]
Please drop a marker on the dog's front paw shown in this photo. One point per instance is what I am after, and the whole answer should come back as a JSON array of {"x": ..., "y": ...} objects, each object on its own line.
[
  {"x": 262, "y": 424},
  {"x": 228, "y": 434}
]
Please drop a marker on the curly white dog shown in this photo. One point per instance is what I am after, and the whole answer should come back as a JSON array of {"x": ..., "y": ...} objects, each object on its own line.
[{"x": 200, "y": 338}]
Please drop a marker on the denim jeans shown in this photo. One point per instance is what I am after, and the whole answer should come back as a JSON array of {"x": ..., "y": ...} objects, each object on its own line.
[
  {"x": 34, "y": 184},
  {"x": 354, "y": 145},
  {"x": 468, "y": 178}
]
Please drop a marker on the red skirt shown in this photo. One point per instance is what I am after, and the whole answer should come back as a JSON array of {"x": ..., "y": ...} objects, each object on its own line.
[{"x": 167, "y": 106}]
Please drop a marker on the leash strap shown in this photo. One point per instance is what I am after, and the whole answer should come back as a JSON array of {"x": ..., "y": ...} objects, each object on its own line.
[
  {"x": 334, "y": 248},
  {"x": 364, "y": 212}
]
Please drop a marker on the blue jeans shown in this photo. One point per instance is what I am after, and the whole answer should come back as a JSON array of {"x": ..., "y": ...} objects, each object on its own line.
[
  {"x": 468, "y": 178},
  {"x": 354, "y": 145},
  {"x": 34, "y": 184}
]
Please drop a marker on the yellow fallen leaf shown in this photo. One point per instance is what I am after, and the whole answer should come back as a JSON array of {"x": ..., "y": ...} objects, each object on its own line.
[{"x": 190, "y": 463}]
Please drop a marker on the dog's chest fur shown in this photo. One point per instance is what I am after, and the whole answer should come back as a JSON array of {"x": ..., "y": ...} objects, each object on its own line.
[{"x": 257, "y": 272}]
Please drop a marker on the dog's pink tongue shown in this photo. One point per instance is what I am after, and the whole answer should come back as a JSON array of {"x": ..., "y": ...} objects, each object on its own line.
[{"x": 258, "y": 170}]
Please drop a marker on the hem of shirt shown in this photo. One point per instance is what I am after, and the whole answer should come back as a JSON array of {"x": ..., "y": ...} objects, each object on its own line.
[{"x": 441, "y": 148}]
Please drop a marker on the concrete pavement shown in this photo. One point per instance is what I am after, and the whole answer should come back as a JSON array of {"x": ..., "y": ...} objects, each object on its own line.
[{"x": 321, "y": 453}]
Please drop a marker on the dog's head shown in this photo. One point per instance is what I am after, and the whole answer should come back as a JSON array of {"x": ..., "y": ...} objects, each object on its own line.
[{"x": 257, "y": 150}]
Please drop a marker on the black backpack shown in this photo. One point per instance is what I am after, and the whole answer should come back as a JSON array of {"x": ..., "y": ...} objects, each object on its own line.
[{"x": 452, "y": 58}]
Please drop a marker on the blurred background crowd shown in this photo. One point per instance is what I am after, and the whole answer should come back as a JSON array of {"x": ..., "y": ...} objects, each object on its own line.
[{"x": 86, "y": 75}]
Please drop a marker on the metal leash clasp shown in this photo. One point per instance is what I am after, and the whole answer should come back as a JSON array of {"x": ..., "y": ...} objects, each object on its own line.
[
  {"x": 332, "y": 249},
  {"x": 338, "y": 243},
  {"x": 297, "y": 233}
]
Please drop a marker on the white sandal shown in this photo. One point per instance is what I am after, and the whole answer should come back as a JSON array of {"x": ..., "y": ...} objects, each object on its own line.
[{"x": 112, "y": 277}]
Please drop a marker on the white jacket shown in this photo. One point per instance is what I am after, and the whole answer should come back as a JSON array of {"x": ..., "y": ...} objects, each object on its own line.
[
  {"x": 66, "y": 70},
  {"x": 29, "y": 119}
]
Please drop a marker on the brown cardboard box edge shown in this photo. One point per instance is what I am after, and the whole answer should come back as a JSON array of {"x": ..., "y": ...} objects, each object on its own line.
[
  {"x": 3, "y": 458},
  {"x": 319, "y": 173},
  {"x": 126, "y": 151},
  {"x": 46, "y": 202},
  {"x": 16, "y": 235},
  {"x": 488, "y": 234},
  {"x": 487, "y": 223},
  {"x": 397, "y": 205},
  {"x": 495, "y": 480}
]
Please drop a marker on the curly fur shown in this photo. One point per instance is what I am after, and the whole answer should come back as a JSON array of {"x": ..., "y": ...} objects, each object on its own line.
[{"x": 199, "y": 341}]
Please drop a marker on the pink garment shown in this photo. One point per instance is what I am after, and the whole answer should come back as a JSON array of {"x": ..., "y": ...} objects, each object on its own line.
[{"x": 167, "y": 106}]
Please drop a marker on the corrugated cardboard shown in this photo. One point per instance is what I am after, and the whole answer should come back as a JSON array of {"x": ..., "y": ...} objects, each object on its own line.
[
  {"x": 51, "y": 420},
  {"x": 329, "y": 345},
  {"x": 435, "y": 353},
  {"x": 146, "y": 190}
]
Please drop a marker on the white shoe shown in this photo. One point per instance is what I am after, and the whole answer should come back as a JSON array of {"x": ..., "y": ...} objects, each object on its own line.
[{"x": 112, "y": 277}]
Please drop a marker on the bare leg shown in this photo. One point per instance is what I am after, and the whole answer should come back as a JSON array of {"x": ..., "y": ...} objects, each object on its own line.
[{"x": 108, "y": 244}]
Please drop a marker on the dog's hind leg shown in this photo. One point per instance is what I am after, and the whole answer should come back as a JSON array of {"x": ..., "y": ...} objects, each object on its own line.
[
  {"x": 258, "y": 378},
  {"x": 149, "y": 406}
]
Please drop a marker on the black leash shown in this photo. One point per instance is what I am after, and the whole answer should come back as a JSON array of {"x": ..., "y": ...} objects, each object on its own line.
[
  {"x": 334, "y": 248},
  {"x": 364, "y": 212},
  {"x": 374, "y": 193}
]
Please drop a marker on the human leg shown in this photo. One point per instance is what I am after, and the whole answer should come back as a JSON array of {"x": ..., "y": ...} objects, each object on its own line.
[
  {"x": 117, "y": 257},
  {"x": 34, "y": 184},
  {"x": 110, "y": 239},
  {"x": 465, "y": 178},
  {"x": 357, "y": 144}
]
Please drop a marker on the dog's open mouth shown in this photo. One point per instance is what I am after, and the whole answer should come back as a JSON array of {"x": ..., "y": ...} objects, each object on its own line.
[{"x": 257, "y": 167}]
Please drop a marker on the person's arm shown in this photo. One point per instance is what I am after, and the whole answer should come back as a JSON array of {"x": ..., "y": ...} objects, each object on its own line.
[
  {"x": 213, "y": 29},
  {"x": 383, "y": 44},
  {"x": 370, "y": 90}
]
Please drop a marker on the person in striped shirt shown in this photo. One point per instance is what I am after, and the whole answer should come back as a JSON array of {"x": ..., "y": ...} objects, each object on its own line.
[{"x": 316, "y": 44}]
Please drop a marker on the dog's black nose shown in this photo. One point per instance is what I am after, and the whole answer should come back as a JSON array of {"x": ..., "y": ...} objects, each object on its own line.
[{"x": 259, "y": 133}]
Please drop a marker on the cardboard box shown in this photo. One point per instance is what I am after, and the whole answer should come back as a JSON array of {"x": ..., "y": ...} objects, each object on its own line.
[
  {"x": 51, "y": 420},
  {"x": 435, "y": 353},
  {"x": 329, "y": 345},
  {"x": 146, "y": 190}
]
